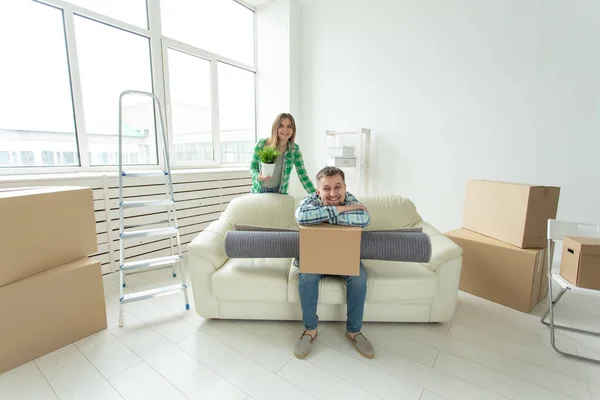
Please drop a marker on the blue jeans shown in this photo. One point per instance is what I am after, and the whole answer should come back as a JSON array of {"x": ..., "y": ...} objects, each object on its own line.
[
  {"x": 269, "y": 190},
  {"x": 356, "y": 292}
]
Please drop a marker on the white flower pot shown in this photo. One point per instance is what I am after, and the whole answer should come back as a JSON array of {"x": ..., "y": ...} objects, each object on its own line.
[{"x": 267, "y": 169}]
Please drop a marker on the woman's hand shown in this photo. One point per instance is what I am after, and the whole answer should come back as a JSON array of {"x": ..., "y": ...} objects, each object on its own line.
[{"x": 262, "y": 178}]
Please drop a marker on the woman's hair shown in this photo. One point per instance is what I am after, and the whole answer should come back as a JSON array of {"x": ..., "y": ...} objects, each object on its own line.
[{"x": 272, "y": 141}]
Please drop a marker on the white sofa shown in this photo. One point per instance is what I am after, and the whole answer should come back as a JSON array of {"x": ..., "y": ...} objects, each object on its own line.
[{"x": 264, "y": 288}]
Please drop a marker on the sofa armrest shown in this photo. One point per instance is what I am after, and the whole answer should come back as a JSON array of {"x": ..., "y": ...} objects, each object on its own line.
[
  {"x": 205, "y": 255},
  {"x": 442, "y": 250},
  {"x": 207, "y": 250}
]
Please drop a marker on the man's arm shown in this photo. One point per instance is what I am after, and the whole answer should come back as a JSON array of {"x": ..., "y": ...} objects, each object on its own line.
[
  {"x": 355, "y": 216},
  {"x": 310, "y": 212}
]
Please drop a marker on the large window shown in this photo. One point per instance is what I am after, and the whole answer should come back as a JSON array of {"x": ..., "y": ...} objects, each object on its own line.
[
  {"x": 190, "y": 112},
  {"x": 112, "y": 60},
  {"x": 129, "y": 11},
  {"x": 73, "y": 58},
  {"x": 219, "y": 26},
  {"x": 36, "y": 107},
  {"x": 236, "y": 113}
]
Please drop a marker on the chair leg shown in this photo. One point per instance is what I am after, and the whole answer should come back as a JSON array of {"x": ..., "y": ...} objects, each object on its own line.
[
  {"x": 551, "y": 305},
  {"x": 567, "y": 328},
  {"x": 553, "y": 326}
]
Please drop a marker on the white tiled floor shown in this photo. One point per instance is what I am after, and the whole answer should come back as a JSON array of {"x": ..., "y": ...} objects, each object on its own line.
[{"x": 165, "y": 352}]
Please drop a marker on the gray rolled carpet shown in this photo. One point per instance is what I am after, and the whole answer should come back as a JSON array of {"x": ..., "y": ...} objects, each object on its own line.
[{"x": 411, "y": 246}]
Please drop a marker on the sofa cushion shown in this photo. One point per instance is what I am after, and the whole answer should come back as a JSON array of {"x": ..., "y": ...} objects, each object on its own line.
[
  {"x": 252, "y": 279},
  {"x": 387, "y": 282}
]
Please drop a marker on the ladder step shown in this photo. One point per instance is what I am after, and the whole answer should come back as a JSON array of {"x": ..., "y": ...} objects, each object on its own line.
[
  {"x": 150, "y": 232},
  {"x": 150, "y": 263},
  {"x": 147, "y": 203},
  {"x": 144, "y": 173},
  {"x": 147, "y": 294}
]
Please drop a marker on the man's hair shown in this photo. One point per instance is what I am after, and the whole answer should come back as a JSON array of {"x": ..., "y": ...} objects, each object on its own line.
[{"x": 330, "y": 171}]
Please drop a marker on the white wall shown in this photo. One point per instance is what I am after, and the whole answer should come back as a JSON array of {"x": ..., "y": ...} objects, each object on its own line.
[
  {"x": 278, "y": 40},
  {"x": 273, "y": 63},
  {"x": 455, "y": 90}
]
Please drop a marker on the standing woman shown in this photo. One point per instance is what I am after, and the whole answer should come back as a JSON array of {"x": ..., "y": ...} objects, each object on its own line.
[{"x": 283, "y": 134}]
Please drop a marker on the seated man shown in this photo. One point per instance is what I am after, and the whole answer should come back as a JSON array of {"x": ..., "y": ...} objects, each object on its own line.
[{"x": 331, "y": 203}]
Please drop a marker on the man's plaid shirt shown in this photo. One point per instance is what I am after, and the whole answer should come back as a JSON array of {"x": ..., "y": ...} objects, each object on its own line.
[
  {"x": 312, "y": 211},
  {"x": 292, "y": 157}
]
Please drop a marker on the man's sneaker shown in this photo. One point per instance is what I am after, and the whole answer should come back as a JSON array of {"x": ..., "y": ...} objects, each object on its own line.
[
  {"x": 304, "y": 345},
  {"x": 362, "y": 344}
]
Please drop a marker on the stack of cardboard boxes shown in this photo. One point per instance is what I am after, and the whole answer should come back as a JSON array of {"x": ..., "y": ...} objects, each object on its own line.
[
  {"x": 504, "y": 241},
  {"x": 51, "y": 293}
]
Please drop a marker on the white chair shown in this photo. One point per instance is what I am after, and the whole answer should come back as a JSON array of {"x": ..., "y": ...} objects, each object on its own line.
[{"x": 557, "y": 230}]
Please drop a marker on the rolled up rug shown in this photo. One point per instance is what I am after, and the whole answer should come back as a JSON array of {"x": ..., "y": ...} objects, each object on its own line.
[{"x": 407, "y": 246}]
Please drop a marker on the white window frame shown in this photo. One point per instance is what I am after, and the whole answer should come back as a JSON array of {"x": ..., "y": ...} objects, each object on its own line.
[
  {"x": 214, "y": 59},
  {"x": 159, "y": 75}
]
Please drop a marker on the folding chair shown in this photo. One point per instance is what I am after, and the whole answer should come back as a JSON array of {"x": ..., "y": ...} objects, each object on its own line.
[{"x": 557, "y": 230}]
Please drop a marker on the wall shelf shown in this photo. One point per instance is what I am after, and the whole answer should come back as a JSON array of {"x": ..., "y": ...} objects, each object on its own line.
[{"x": 358, "y": 165}]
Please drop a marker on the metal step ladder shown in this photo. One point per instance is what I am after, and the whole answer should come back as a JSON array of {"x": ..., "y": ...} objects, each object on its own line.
[{"x": 170, "y": 230}]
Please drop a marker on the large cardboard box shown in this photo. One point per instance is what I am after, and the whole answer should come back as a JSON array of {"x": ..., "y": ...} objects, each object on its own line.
[
  {"x": 50, "y": 310},
  {"x": 580, "y": 262},
  {"x": 513, "y": 213},
  {"x": 330, "y": 249},
  {"x": 501, "y": 273},
  {"x": 43, "y": 228}
]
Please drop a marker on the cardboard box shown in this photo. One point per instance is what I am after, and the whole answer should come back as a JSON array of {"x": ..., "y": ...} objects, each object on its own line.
[
  {"x": 43, "y": 228},
  {"x": 501, "y": 273},
  {"x": 50, "y": 310},
  {"x": 580, "y": 262},
  {"x": 513, "y": 213},
  {"x": 330, "y": 249}
]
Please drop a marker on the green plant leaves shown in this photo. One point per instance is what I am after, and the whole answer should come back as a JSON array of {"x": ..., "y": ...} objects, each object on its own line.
[{"x": 268, "y": 154}]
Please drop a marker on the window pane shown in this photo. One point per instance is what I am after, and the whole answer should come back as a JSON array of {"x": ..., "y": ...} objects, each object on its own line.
[
  {"x": 47, "y": 157},
  {"x": 4, "y": 158},
  {"x": 111, "y": 61},
  {"x": 219, "y": 26},
  {"x": 68, "y": 157},
  {"x": 36, "y": 108},
  {"x": 189, "y": 89},
  {"x": 27, "y": 158},
  {"x": 236, "y": 113},
  {"x": 130, "y": 11}
]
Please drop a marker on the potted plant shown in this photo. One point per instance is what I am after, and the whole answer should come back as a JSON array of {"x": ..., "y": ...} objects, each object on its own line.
[{"x": 268, "y": 155}]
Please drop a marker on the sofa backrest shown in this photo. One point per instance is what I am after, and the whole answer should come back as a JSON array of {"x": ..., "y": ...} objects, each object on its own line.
[
  {"x": 265, "y": 209},
  {"x": 277, "y": 211},
  {"x": 390, "y": 211}
]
